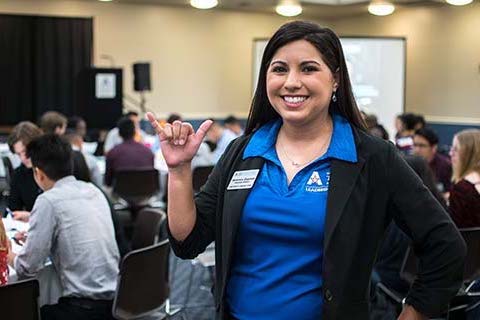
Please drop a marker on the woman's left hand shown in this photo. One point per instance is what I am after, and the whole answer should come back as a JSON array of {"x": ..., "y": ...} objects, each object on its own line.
[{"x": 409, "y": 313}]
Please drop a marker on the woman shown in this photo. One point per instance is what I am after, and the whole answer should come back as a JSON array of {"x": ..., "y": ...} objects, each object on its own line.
[
  {"x": 23, "y": 188},
  {"x": 465, "y": 193},
  {"x": 3, "y": 255},
  {"x": 298, "y": 205}
]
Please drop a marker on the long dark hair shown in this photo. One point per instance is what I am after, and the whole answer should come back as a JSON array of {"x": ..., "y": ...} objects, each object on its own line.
[{"x": 328, "y": 44}]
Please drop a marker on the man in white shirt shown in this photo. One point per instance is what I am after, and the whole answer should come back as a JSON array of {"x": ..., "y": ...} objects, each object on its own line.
[
  {"x": 221, "y": 137},
  {"x": 70, "y": 223}
]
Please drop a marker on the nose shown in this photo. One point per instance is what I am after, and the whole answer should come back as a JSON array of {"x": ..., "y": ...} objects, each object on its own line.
[{"x": 293, "y": 81}]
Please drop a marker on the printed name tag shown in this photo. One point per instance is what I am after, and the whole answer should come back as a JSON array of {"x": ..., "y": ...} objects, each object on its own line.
[{"x": 243, "y": 179}]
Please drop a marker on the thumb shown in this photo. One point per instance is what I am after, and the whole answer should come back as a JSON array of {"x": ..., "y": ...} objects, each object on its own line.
[{"x": 202, "y": 130}]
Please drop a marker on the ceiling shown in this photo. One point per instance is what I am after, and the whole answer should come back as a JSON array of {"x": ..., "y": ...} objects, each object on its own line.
[{"x": 316, "y": 9}]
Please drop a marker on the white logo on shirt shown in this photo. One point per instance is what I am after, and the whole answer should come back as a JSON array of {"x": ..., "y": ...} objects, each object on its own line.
[
  {"x": 315, "y": 179},
  {"x": 315, "y": 183}
]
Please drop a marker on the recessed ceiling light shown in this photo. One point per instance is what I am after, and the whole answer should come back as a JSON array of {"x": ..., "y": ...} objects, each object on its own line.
[
  {"x": 289, "y": 8},
  {"x": 381, "y": 8},
  {"x": 105, "y": 0},
  {"x": 459, "y": 2},
  {"x": 203, "y": 4}
]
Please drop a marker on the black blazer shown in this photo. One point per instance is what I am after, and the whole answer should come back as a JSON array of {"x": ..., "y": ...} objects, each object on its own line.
[{"x": 363, "y": 198}]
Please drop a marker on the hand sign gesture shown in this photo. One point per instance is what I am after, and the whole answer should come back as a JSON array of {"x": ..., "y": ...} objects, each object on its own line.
[{"x": 178, "y": 141}]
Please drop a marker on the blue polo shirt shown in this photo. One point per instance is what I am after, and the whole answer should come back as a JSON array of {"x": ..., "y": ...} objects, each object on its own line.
[{"x": 277, "y": 266}]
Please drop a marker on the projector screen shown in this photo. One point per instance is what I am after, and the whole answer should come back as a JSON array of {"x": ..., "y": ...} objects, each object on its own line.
[{"x": 377, "y": 72}]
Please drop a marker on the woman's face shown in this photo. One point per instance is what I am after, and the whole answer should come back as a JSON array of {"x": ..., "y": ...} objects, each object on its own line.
[
  {"x": 299, "y": 83},
  {"x": 21, "y": 151},
  {"x": 455, "y": 152}
]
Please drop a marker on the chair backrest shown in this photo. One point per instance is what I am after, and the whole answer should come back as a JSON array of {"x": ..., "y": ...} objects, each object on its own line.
[
  {"x": 7, "y": 164},
  {"x": 200, "y": 176},
  {"x": 471, "y": 271},
  {"x": 147, "y": 228},
  {"x": 143, "y": 282},
  {"x": 472, "y": 261},
  {"x": 136, "y": 185},
  {"x": 20, "y": 300}
]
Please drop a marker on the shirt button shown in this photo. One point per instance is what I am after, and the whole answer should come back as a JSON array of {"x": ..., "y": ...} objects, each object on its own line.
[{"x": 328, "y": 295}]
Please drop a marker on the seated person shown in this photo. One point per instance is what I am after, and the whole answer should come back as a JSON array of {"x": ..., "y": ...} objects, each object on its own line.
[
  {"x": 78, "y": 125},
  {"x": 91, "y": 162},
  {"x": 23, "y": 188},
  {"x": 53, "y": 122},
  {"x": 425, "y": 144},
  {"x": 464, "y": 198},
  {"x": 232, "y": 123},
  {"x": 127, "y": 155},
  {"x": 70, "y": 223},
  {"x": 404, "y": 138},
  {"x": 114, "y": 138},
  {"x": 3, "y": 254},
  {"x": 221, "y": 137}
]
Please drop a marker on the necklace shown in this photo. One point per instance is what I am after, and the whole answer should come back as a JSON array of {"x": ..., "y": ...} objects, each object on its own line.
[{"x": 302, "y": 164}]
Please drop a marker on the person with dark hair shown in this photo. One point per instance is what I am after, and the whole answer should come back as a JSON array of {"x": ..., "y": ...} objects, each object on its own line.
[
  {"x": 234, "y": 125},
  {"x": 78, "y": 126},
  {"x": 53, "y": 122},
  {"x": 420, "y": 122},
  {"x": 425, "y": 144},
  {"x": 70, "y": 223},
  {"x": 127, "y": 155},
  {"x": 298, "y": 206},
  {"x": 114, "y": 138},
  {"x": 174, "y": 117},
  {"x": 23, "y": 188},
  {"x": 221, "y": 137},
  {"x": 404, "y": 139}
]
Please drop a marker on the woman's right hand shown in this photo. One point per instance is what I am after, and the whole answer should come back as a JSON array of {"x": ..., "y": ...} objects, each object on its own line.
[{"x": 178, "y": 141}]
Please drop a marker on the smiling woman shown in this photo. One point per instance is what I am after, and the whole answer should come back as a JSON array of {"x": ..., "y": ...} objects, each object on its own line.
[{"x": 302, "y": 235}]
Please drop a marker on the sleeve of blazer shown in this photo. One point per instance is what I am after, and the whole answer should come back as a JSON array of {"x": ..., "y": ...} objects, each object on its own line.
[
  {"x": 437, "y": 242},
  {"x": 206, "y": 203}
]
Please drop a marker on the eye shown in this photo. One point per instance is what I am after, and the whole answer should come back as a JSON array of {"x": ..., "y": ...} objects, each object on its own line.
[
  {"x": 309, "y": 68},
  {"x": 279, "y": 69}
]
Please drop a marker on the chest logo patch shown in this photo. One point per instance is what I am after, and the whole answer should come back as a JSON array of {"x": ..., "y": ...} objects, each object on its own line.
[{"x": 316, "y": 184}]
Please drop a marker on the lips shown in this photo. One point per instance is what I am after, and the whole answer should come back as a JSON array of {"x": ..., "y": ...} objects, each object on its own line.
[{"x": 294, "y": 101}]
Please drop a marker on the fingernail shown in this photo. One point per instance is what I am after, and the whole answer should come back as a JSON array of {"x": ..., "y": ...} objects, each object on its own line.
[{"x": 182, "y": 142}]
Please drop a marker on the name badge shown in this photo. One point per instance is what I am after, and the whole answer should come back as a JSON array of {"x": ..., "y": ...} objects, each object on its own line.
[{"x": 243, "y": 179}]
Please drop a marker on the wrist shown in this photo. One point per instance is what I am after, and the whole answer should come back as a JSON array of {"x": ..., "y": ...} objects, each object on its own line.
[{"x": 180, "y": 170}]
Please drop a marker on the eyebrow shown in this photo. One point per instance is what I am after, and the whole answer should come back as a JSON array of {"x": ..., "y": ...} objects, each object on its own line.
[{"x": 302, "y": 63}]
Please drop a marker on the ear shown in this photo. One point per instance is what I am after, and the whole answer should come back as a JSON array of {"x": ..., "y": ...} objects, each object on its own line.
[
  {"x": 39, "y": 174},
  {"x": 336, "y": 80}
]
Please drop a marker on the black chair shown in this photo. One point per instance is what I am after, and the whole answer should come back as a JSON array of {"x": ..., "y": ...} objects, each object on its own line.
[
  {"x": 148, "y": 229},
  {"x": 20, "y": 300},
  {"x": 136, "y": 186},
  {"x": 8, "y": 169},
  {"x": 142, "y": 286},
  {"x": 465, "y": 298},
  {"x": 200, "y": 176}
]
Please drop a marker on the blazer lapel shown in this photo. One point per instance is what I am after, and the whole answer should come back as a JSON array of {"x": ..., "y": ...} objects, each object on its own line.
[
  {"x": 343, "y": 177},
  {"x": 234, "y": 201}
]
